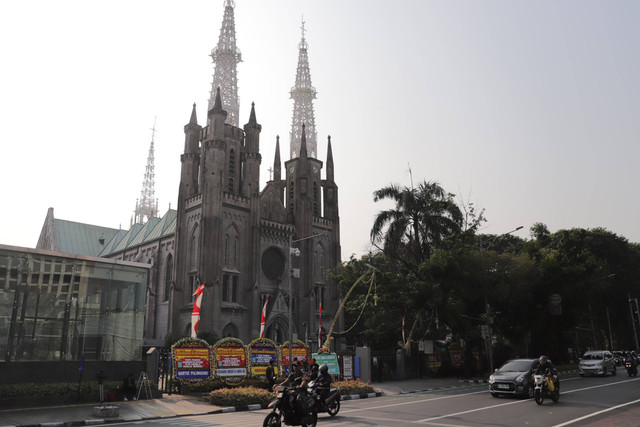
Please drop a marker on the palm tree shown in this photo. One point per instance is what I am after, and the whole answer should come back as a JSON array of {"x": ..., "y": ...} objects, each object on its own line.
[{"x": 421, "y": 219}]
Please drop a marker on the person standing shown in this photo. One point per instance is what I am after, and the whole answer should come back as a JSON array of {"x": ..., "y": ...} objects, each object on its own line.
[{"x": 271, "y": 376}]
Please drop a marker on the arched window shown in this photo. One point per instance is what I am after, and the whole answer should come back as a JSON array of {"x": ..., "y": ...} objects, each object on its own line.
[
  {"x": 232, "y": 168},
  {"x": 315, "y": 198},
  {"x": 193, "y": 248},
  {"x": 226, "y": 249},
  {"x": 230, "y": 330},
  {"x": 168, "y": 277}
]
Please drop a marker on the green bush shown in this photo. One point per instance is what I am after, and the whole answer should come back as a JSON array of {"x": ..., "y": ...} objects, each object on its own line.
[
  {"x": 353, "y": 387},
  {"x": 240, "y": 396}
]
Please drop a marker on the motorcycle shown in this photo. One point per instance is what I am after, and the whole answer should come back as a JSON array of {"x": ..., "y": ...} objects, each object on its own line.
[
  {"x": 632, "y": 369},
  {"x": 544, "y": 387},
  {"x": 330, "y": 405},
  {"x": 293, "y": 407}
]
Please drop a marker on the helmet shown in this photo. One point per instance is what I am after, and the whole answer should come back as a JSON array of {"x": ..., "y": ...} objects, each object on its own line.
[
  {"x": 324, "y": 369},
  {"x": 543, "y": 359}
]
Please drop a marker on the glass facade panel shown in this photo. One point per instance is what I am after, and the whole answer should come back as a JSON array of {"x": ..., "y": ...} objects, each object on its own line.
[{"x": 95, "y": 307}]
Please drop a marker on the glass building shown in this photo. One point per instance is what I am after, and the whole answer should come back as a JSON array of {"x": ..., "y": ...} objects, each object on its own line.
[{"x": 61, "y": 307}]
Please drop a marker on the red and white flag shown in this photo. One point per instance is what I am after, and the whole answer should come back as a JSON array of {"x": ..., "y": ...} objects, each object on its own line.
[
  {"x": 263, "y": 318},
  {"x": 403, "y": 340},
  {"x": 195, "y": 314},
  {"x": 320, "y": 326}
]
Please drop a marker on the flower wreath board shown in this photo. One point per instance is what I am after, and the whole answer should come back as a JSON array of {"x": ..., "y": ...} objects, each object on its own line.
[
  {"x": 191, "y": 360},
  {"x": 261, "y": 351},
  {"x": 230, "y": 360},
  {"x": 299, "y": 351}
]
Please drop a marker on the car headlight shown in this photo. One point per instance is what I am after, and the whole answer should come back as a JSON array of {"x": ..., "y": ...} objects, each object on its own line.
[
  {"x": 520, "y": 379},
  {"x": 491, "y": 378}
]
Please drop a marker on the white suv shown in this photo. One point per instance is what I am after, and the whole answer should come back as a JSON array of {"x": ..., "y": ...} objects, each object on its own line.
[{"x": 597, "y": 362}]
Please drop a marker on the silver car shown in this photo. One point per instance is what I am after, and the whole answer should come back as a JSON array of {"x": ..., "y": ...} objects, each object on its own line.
[{"x": 597, "y": 362}]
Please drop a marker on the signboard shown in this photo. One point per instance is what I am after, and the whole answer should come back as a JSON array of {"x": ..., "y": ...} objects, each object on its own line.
[
  {"x": 191, "y": 360},
  {"x": 230, "y": 360},
  {"x": 457, "y": 355},
  {"x": 261, "y": 351},
  {"x": 347, "y": 365},
  {"x": 329, "y": 359}
]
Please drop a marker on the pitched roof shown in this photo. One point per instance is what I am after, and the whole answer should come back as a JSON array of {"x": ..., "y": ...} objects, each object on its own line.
[{"x": 81, "y": 239}]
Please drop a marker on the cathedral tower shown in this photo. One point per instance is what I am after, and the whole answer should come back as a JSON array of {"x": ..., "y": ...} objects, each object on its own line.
[
  {"x": 303, "y": 93},
  {"x": 147, "y": 205},
  {"x": 226, "y": 57}
]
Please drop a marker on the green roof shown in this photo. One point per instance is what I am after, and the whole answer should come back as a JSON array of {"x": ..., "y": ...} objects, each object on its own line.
[{"x": 82, "y": 239}]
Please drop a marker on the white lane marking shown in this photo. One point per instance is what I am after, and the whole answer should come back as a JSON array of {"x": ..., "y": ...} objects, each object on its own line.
[
  {"x": 596, "y": 413},
  {"x": 471, "y": 410},
  {"x": 598, "y": 386},
  {"x": 412, "y": 402},
  {"x": 510, "y": 403}
]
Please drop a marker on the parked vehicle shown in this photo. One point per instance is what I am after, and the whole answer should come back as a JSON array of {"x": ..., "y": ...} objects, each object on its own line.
[
  {"x": 292, "y": 407},
  {"x": 330, "y": 404},
  {"x": 598, "y": 362},
  {"x": 513, "y": 378},
  {"x": 544, "y": 387}
]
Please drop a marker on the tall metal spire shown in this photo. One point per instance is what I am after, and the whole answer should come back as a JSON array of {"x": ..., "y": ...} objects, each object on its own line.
[
  {"x": 226, "y": 57},
  {"x": 303, "y": 94},
  {"x": 147, "y": 206}
]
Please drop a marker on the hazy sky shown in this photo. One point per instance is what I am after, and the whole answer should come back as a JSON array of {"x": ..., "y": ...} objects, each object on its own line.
[{"x": 529, "y": 109}]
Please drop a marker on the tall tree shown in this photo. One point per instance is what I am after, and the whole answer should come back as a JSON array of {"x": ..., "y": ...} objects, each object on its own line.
[{"x": 421, "y": 219}]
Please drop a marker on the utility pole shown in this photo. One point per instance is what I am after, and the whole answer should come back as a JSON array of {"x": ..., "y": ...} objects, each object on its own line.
[
  {"x": 296, "y": 252},
  {"x": 633, "y": 320},
  {"x": 593, "y": 331}
]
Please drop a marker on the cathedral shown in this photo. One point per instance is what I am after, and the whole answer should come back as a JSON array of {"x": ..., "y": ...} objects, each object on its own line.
[{"x": 248, "y": 245}]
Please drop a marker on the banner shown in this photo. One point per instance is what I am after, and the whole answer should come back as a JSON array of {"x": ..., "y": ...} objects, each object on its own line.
[
  {"x": 329, "y": 359},
  {"x": 195, "y": 314}
]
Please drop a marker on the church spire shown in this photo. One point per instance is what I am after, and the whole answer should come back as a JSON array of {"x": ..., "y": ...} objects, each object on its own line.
[
  {"x": 226, "y": 57},
  {"x": 303, "y": 93},
  {"x": 147, "y": 206},
  {"x": 277, "y": 167}
]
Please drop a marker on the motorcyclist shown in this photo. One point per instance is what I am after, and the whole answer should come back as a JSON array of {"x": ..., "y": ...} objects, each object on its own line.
[
  {"x": 631, "y": 357},
  {"x": 297, "y": 383},
  {"x": 545, "y": 367},
  {"x": 324, "y": 382}
]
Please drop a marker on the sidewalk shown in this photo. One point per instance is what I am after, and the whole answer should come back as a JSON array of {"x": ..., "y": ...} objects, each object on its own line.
[{"x": 176, "y": 405}]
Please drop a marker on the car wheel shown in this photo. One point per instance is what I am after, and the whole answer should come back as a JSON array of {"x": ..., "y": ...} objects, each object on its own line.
[
  {"x": 581, "y": 374},
  {"x": 494, "y": 394},
  {"x": 604, "y": 372},
  {"x": 613, "y": 372}
]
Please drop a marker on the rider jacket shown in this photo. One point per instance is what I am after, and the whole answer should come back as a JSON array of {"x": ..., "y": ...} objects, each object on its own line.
[{"x": 547, "y": 368}]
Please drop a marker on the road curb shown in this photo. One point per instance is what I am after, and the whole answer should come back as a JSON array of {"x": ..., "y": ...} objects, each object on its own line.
[{"x": 360, "y": 396}]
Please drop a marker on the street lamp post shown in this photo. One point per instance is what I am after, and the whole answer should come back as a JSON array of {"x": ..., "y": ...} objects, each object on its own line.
[
  {"x": 633, "y": 320},
  {"x": 295, "y": 251},
  {"x": 489, "y": 318}
]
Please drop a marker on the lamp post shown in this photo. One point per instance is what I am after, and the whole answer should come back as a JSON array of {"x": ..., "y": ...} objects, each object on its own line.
[
  {"x": 296, "y": 252},
  {"x": 489, "y": 318},
  {"x": 633, "y": 320}
]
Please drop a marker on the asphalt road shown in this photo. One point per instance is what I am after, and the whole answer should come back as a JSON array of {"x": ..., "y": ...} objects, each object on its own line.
[{"x": 590, "y": 401}]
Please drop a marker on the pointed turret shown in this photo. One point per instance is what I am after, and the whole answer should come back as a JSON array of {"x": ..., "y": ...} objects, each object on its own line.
[
  {"x": 303, "y": 143},
  {"x": 303, "y": 93},
  {"x": 217, "y": 117},
  {"x": 277, "y": 167},
  {"x": 251, "y": 158},
  {"x": 226, "y": 57},
  {"x": 329, "y": 160},
  {"x": 191, "y": 157}
]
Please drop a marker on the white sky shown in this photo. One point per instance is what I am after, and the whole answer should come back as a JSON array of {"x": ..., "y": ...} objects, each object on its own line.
[{"x": 531, "y": 110}]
